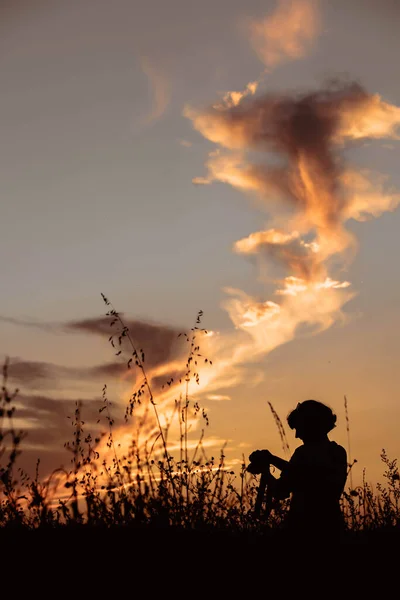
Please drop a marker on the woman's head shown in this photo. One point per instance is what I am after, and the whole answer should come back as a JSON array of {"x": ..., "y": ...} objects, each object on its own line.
[{"x": 311, "y": 419}]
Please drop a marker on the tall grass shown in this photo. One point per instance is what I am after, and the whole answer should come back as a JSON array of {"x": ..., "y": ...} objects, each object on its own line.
[{"x": 150, "y": 486}]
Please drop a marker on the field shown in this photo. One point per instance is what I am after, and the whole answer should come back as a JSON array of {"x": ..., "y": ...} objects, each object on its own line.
[{"x": 154, "y": 497}]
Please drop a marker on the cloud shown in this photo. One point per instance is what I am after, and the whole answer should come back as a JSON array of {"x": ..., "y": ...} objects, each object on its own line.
[
  {"x": 233, "y": 98},
  {"x": 41, "y": 374},
  {"x": 286, "y": 34},
  {"x": 287, "y": 149},
  {"x": 32, "y": 372},
  {"x": 160, "y": 90},
  {"x": 111, "y": 369},
  {"x": 48, "y": 327},
  {"x": 300, "y": 257},
  {"x": 159, "y": 342},
  {"x": 51, "y": 412},
  {"x": 306, "y": 131},
  {"x": 218, "y": 397},
  {"x": 165, "y": 358}
]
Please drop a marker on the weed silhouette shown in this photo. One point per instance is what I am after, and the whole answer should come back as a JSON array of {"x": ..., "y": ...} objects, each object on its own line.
[{"x": 151, "y": 490}]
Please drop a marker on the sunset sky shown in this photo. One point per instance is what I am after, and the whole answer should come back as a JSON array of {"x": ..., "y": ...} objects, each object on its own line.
[{"x": 135, "y": 138}]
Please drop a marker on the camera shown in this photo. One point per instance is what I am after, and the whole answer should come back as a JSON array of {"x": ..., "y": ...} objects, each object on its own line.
[{"x": 258, "y": 463}]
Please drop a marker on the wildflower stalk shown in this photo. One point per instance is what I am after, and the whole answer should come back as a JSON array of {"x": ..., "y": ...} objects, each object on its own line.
[{"x": 139, "y": 361}]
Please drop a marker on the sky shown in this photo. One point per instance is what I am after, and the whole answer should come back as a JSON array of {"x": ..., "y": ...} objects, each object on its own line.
[{"x": 234, "y": 158}]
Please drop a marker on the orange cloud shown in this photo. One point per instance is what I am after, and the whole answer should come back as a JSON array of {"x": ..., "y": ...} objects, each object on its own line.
[
  {"x": 307, "y": 132},
  {"x": 288, "y": 33},
  {"x": 234, "y": 98}
]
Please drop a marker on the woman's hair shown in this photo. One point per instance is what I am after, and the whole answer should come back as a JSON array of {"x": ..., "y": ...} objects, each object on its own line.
[{"x": 314, "y": 415}]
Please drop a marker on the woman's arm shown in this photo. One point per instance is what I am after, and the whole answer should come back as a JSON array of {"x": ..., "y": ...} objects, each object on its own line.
[
  {"x": 283, "y": 486},
  {"x": 278, "y": 462}
]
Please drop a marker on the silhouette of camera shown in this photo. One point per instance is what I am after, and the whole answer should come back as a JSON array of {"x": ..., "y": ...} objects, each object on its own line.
[{"x": 258, "y": 464}]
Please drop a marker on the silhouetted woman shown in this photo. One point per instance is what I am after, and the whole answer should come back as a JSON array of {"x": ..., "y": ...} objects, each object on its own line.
[{"x": 315, "y": 475}]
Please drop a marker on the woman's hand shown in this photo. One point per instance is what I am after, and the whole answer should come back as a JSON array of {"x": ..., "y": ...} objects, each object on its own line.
[{"x": 260, "y": 461}]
